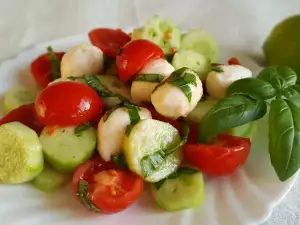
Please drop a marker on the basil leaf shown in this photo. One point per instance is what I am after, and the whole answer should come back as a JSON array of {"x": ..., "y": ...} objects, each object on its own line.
[
  {"x": 292, "y": 91},
  {"x": 79, "y": 129},
  {"x": 54, "y": 64},
  {"x": 134, "y": 116},
  {"x": 284, "y": 137},
  {"x": 83, "y": 193},
  {"x": 120, "y": 160},
  {"x": 95, "y": 83},
  {"x": 182, "y": 78},
  {"x": 279, "y": 76},
  {"x": 217, "y": 69},
  {"x": 252, "y": 86},
  {"x": 187, "y": 170},
  {"x": 149, "y": 77},
  {"x": 232, "y": 111}
]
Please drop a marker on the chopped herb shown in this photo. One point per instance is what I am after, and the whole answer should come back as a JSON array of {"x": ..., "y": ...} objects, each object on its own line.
[
  {"x": 95, "y": 83},
  {"x": 150, "y": 77},
  {"x": 83, "y": 193},
  {"x": 54, "y": 64},
  {"x": 79, "y": 129},
  {"x": 120, "y": 160},
  {"x": 217, "y": 69}
]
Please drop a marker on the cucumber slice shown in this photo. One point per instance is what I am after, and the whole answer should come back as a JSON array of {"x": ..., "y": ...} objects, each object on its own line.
[
  {"x": 49, "y": 180},
  {"x": 193, "y": 60},
  {"x": 182, "y": 190},
  {"x": 202, "y": 42},
  {"x": 163, "y": 32},
  {"x": 19, "y": 96},
  {"x": 21, "y": 154},
  {"x": 201, "y": 109},
  {"x": 148, "y": 137},
  {"x": 64, "y": 150}
]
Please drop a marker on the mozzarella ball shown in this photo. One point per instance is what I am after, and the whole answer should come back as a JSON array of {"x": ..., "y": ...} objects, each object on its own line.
[
  {"x": 218, "y": 82},
  {"x": 111, "y": 133},
  {"x": 141, "y": 90},
  {"x": 84, "y": 59},
  {"x": 170, "y": 101}
]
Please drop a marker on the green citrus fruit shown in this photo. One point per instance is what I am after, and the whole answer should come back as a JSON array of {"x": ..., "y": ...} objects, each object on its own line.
[{"x": 282, "y": 46}]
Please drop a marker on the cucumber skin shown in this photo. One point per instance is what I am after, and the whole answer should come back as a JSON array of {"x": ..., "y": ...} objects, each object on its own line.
[
  {"x": 196, "y": 200},
  {"x": 66, "y": 167}
]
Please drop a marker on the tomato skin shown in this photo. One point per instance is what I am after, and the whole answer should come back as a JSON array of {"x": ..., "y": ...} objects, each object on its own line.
[
  {"x": 41, "y": 69},
  {"x": 223, "y": 157},
  {"x": 67, "y": 104},
  {"x": 134, "y": 55},
  {"x": 110, "y": 189},
  {"x": 109, "y": 40},
  {"x": 234, "y": 61},
  {"x": 26, "y": 115}
]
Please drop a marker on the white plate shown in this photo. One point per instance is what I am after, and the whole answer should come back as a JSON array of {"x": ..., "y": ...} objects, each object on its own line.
[{"x": 244, "y": 198}]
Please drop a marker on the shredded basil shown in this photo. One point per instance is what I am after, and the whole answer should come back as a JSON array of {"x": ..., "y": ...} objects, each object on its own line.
[
  {"x": 150, "y": 77},
  {"x": 79, "y": 129},
  {"x": 120, "y": 160},
  {"x": 217, "y": 69},
  {"x": 83, "y": 193},
  {"x": 54, "y": 64},
  {"x": 95, "y": 83}
]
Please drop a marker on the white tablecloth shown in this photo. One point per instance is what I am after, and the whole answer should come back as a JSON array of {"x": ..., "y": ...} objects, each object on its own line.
[{"x": 242, "y": 24}]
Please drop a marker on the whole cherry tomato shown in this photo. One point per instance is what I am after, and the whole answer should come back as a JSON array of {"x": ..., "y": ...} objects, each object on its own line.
[
  {"x": 134, "y": 55},
  {"x": 26, "y": 115},
  {"x": 109, "y": 40},
  {"x": 41, "y": 68},
  {"x": 68, "y": 104},
  {"x": 222, "y": 157},
  {"x": 110, "y": 189}
]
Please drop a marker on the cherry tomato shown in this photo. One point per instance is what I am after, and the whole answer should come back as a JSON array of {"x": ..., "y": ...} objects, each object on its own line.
[
  {"x": 216, "y": 64},
  {"x": 26, "y": 115},
  {"x": 110, "y": 189},
  {"x": 67, "y": 104},
  {"x": 109, "y": 40},
  {"x": 134, "y": 55},
  {"x": 234, "y": 61},
  {"x": 41, "y": 69},
  {"x": 224, "y": 156}
]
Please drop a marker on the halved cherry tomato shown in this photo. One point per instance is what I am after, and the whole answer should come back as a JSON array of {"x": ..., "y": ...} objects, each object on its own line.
[
  {"x": 41, "y": 69},
  {"x": 234, "y": 61},
  {"x": 110, "y": 189},
  {"x": 68, "y": 104},
  {"x": 26, "y": 115},
  {"x": 134, "y": 55},
  {"x": 224, "y": 156},
  {"x": 109, "y": 40}
]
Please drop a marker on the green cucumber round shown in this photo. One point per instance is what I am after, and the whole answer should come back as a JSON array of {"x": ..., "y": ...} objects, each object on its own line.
[
  {"x": 21, "y": 154},
  {"x": 64, "y": 149},
  {"x": 182, "y": 190},
  {"x": 147, "y": 138}
]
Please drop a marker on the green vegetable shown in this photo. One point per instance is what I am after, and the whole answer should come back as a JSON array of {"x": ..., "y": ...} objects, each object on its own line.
[
  {"x": 284, "y": 136},
  {"x": 181, "y": 190},
  {"x": 64, "y": 150},
  {"x": 183, "y": 79},
  {"x": 217, "y": 69},
  {"x": 21, "y": 154},
  {"x": 49, "y": 180},
  {"x": 253, "y": 86},
  {"x": 95, "y": 83},
  {"x": 54, "y": 64},
  {"x": 231, "y": 111},
  {"x": 292, "y": 91},
  {"x": 147, "y": 138},
  {"x": 149, "y": 77},
  {"x": 83, "y": 193},
  {"x": 79, "y": 129},
  {"x": 279, "y": 76},
  {"x": 193, "y": 60}
]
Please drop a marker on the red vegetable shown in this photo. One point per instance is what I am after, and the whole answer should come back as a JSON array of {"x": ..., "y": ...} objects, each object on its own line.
[
  {"x": 109, "y": 40},
  {"x": 134, "y": 55},
  {"x": 224, "y": 156},
  {"x": 233, "y": 61},
  {"x": 68, "y": 104}
]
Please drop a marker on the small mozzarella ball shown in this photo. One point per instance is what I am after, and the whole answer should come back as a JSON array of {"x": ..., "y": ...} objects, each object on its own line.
[
  {"x": 218, "y": 82},
  {"x": 141, "y": 90},
  {"x": 84, "y": 59},
  {"x": 170, "y": 101},
  {"x": 111, "y": 133},
  {"x": 158, "y": 66}
]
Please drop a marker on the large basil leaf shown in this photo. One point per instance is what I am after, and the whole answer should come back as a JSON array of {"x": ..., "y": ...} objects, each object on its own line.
[
  {"x": 231, "y": 111},
  {"x": 252, "y": 86},
  {"x": 292, "y": 91},
  {"x": 279, "y": 76},
  {"x": 284, "y": 137}
]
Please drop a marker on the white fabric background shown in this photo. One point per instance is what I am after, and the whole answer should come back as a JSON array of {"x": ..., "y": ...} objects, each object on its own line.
[{"x": 245, "y": 24}]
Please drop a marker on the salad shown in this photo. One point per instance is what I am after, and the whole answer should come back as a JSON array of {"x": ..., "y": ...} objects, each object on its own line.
[{"x": 154, "y": 107}]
